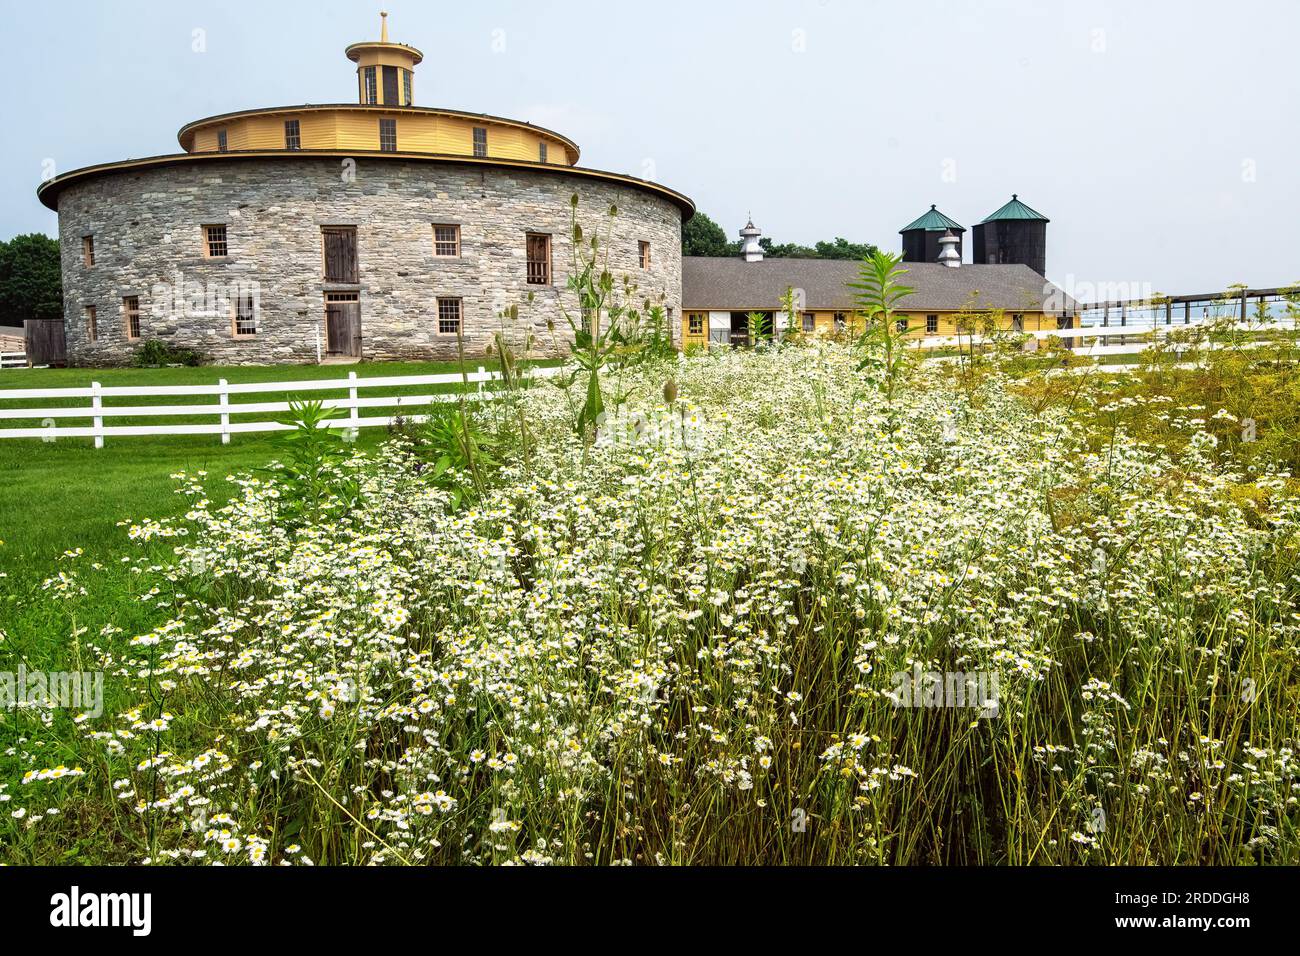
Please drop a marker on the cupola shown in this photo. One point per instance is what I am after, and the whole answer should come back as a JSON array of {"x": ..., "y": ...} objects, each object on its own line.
[
  {"x": 948, "y": 250},
  {"x": 385, "y": 71},
  {"x": 749, "y": 247}
]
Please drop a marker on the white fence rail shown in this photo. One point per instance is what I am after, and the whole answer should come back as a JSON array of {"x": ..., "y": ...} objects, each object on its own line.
[
  {"x": 13, "y": 359},
  {"x": 223, "y": 410},
  {"x": 1099, "y": 332}
]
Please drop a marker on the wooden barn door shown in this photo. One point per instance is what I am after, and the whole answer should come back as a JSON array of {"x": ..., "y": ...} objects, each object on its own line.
[
  {"x": 45, "y": 343},
  {"x": 343, "y": 325}
]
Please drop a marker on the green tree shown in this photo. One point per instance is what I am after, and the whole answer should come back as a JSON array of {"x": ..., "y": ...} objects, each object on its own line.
[
  {"x": 701, "y": 236},
  {"x": 30, "y": 282},
  {"x": 838, "y": 249}
]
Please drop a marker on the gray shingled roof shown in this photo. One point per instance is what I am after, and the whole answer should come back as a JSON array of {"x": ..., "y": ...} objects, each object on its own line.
[{"x": 732, "y": 284}]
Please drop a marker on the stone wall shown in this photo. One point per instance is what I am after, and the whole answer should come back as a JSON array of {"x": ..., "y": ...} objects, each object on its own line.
[{"x": 148, "y": 239}]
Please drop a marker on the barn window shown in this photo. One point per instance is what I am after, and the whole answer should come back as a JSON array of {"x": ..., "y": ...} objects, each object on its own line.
[
  {"x": 221, "y": 141},
  {"x": 901, "y": 324},
  {"x": 292, "y": 135},
  {"x": 840, "y": 322},
  {"x": 389, "y": 80},
  {"x": 448, "y": 316},
  {"x": 480, "y": 141},
  {"x": 407, "y": 100},
  {"x": 695, "y": 323},
  {"x": 1017, "y": 323},
  {"x": 388, "y": 135},
  {"x": 245, "y": 314},
  {"x": 340, "y": 250},
  {"x": 369, "y": 89},
  {"x": 131, "y": 315},
  {"x": 1064, "y": 322},
  {"x": 931, "y": 324},
  {"x": 446, "y": 241},
  {"x": 92, "y": 326},
  {"x": 539, "y": 258},
  {"x": 643, "y": 253},
  {"x": 809, "y": 321},
  {"x": 214, "y": 242},
  {"x": 541, "y": 151},
  {"x": 88, "y": 250}
]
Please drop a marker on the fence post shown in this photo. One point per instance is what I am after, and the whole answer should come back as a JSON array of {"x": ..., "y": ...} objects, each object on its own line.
[
  {"x": 224, "y": 399},
  {"x": 97, "y": 405},
  {"x": 482, "y": 374},
  {"x": 352, "y": 400}
]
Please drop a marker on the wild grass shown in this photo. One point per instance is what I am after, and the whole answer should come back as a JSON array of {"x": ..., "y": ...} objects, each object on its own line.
[{"x": 676, "y": 638}]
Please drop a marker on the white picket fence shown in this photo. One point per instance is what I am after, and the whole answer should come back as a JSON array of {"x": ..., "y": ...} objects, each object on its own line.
[{"x": 224, "y": 410}]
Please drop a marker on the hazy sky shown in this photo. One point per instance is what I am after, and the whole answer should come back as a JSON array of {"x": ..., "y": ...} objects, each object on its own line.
[{"x": 1161, "y": 139}]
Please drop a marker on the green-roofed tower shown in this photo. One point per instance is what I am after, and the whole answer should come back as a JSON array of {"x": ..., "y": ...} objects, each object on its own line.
[
  {"x": 921, "y": 237},
  {"x": 1015, "y": 233}
]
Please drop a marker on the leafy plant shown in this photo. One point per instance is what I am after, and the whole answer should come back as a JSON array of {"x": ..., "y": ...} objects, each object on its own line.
[
  {"x": 155, "y": 352},
  {"x": 312, "y": 474},
  {"x": 882, "y": 346},
  {"x": 608, "y": 332},
  {"x": 459, "y": 452},
  {"x": 790, "y": 308}
]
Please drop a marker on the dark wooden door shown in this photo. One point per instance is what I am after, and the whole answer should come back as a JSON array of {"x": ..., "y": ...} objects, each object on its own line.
[
  {"x": 390, "y": 86},
  {"x": 740, "y": 329},
  {"x": 340, "y": 253},
  {"x": 44, "y": 342},
  {"x": 343, "y": 328}
]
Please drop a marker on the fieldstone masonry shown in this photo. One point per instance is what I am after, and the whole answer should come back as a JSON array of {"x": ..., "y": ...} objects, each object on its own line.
[{"x": 148, "y": 234}]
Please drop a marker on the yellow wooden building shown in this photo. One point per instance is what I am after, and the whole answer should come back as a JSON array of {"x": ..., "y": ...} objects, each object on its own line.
[{"x": 720, "y": 295}]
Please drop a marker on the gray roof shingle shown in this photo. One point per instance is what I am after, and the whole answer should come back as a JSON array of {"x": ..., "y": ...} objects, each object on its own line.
[{"x": 732, "y": 284}]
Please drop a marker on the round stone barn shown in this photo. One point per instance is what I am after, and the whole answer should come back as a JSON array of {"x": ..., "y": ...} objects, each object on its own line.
[{"x": 377, "y": 230}]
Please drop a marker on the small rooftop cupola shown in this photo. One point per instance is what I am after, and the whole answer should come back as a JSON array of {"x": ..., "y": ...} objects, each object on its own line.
[
  {"x": 385, "y": 71},
  {"x": 948, "y": 254},
  {"x": 1013, "y": 235},
  {"x": 749, "y": 247},
  {"x": 921, "y": 236}
]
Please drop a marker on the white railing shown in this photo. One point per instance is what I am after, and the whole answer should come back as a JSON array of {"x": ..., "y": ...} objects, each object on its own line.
[
  {"x": 1097, "y": 332},
  {"x": 13, "y": 359},
  {"x": 224, "y": 409}
]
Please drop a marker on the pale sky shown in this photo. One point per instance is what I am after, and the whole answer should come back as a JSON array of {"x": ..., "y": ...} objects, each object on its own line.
[{"x": 1162, "y": 139}]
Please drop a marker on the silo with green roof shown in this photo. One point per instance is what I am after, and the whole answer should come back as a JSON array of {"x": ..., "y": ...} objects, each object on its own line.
[
  {"x": 1013, "y": 234},
  {"x": 921, "y": 237}
]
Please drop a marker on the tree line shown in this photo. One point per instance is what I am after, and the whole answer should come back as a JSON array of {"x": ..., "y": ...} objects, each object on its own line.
[{"x": 701, "y": 236}]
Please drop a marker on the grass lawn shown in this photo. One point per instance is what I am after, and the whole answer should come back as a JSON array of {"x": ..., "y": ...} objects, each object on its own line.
[{"x": 65, "y": 494}]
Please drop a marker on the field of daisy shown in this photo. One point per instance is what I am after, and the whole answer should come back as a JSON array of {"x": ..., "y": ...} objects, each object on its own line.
[{"x": 721, "y": 622}]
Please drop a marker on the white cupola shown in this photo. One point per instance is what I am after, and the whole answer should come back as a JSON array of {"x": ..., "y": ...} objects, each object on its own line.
[
  {"x": 749, "y": 247},
  {"x": 948, "y": 254}
]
